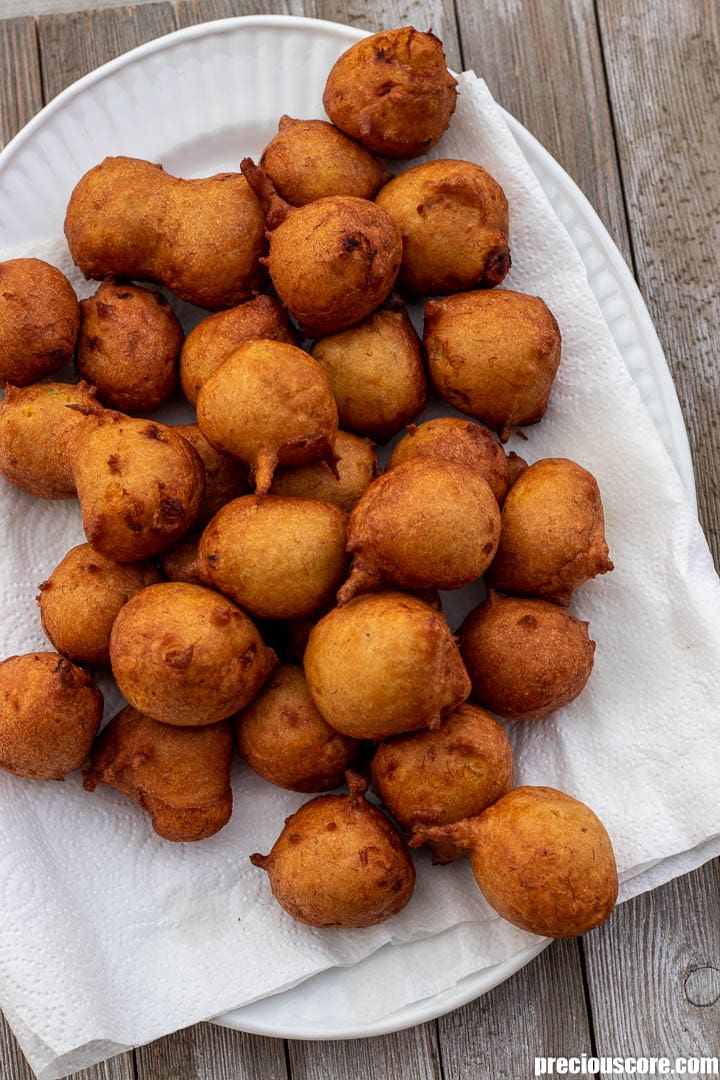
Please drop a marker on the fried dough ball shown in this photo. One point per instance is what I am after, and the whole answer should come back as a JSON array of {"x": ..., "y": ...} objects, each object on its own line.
[
  {"x": 225, "y": 477},
  {"x": 542, "y": 860},
  {"x": 201, "y": 238},
  {"x": 553, "y": 533},
  {"x": 332, "y": 261},
  {"x": 180, "y": 776},
  {"x": 139, "y": 484},
  {"x": 357, "y": 466},
  {"x": 129, "y": 346},
  {"x": 393, "y": 92},
  {"x": 82, "y": 598},
  {"x": 284, "y": 738},
  {"x": 185, "y": 655},
  {"x": 214, "y": 338},
  {"x": 427, "y": 524},
  {"x": 311, "y": 159},
  {"x": 180, "y": 562},
  {"x": 269, "y": 404},
  {"x": 35, "y": 422},
  {"x": 50, "y": 711},
  {"x": 383, "y": 664},
  {"x": 452, "y": 773},
  {"x": 279, "y": 558},
  {"x": 39, "y": 320},
  {"x": 453, "y": 219},
  {"x": 376, "y": 373},
  {"x": 526, "y": 658},
  {"x": 339, "y": 862},
  {"x": 493, "y": 355},
  {"x": 447, "y": 438}
]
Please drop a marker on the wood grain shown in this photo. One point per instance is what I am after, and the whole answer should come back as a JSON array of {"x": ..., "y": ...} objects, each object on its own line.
[
  {"x": 406, "y": 1055},
  {"x": 209, "y": 1052},
  {"x": 539, "y": 1011},
  {"x": 654, "y": 971},
  {"x": 543, "y": 62},
  {"x": 20, "y": 83},
  {"x": 72, "y": 45},
  {"x": 663, "y": 64}
]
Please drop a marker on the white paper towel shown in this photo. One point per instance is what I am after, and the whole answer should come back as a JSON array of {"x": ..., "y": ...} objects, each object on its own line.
[{"x": 111, "y": 937}]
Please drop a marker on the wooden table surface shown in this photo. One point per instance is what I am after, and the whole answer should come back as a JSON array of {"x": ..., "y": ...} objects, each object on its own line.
[{"x": 626, "y": 95}]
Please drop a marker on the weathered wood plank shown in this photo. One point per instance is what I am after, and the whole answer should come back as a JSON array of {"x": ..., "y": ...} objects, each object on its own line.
[
  {"x": 544, "y": 64},
  {"x": 207, "y": 1052},
  {"x": 654, "y": 971},
  {"x": 663, "y": 64},
  {"x": 72, "y": 45},
  {"x": 13, "y": 1065},
  {"x": 548, "y": 995},
  {"x": 410, "y": 1055},
  {"x": 20, "y": 82}
]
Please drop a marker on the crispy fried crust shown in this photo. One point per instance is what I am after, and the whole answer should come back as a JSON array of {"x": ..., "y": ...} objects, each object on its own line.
[
  {"x": 283, "y": 737},
  {"x": 392, "y": 92},
  {"x": 129, "y": 346},
  {"x": 339, "y": 862},
  {"x": 203, "y": 239},
  {"x": 180, "y": 776},
  {"x": 493, "y": 355},
  {"x": 356, "y": 464},
  {"x": 383, "y": 664},
  {"x": 553, "y": 533},
  {"x": 82, "y": 598},
  {"x": 438, "y": 777},
  {"x": 39, "y": 320},
  {"x": 185, "y": 655},
  {"x": 526, "y": 658},
  {"x": 376, "y": 373},
  {"x": 453, "y": 219},
  {"x": 226, "y": 478},
  {"x": 50, "y": 711}
]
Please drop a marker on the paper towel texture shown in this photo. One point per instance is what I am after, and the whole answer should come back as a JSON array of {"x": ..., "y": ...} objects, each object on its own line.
[{"x": 110, "y": 937}]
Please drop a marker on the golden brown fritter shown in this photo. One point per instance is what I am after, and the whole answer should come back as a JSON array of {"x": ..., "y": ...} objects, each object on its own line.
[
  {"x": 35, "y": 422},
  {"x": 283, "y": 737},
  {"x": 542, "y": 859},
  {"x": 269, "y": 404},
  {"x": 50, "y": 711},
  {"x": 332, "y": 261},
  {"x": 448, "y": 438},
  {"x": 393, "y": 92},
  {"x": 438, "y": 777},
  {"x": 203, "y": 239},
  {"x": 129, "y": 346},
  {"x": 214, "y": 338},
  {"x": 279, "y": 558},
  {"x": 339, "y": 862},
  {"x": 180, "y": 776},
  {"x": 185, "y": 655},
  {"x": 82, "y": 598},
  {"x": 526, "y": 658},
  {"x": 356, "y": 465},
  {"x": 139, "y": 484},
  {"x": 493, "y": 355},
  {"x": 376, "y": 373},
  {"x": 311, "y": 159},
  {"x": 453, "y": 219},
  {"x": 180, "y": 561},
  {"x": 553, "y": 533},
  {"x": 383, "y": 664},
  {"x": 516, "y": 465},
  {"x": 225, "y": 477},
  {"x": 427, "y": 524},
  {"x": 39, "y": 320}
]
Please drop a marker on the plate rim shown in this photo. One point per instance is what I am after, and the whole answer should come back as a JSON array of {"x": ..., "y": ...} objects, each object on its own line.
[{"x": 476, "y": 983}]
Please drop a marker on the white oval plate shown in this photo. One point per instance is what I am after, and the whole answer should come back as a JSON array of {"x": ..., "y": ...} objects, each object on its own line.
[{"x": 199, "y": 88}]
